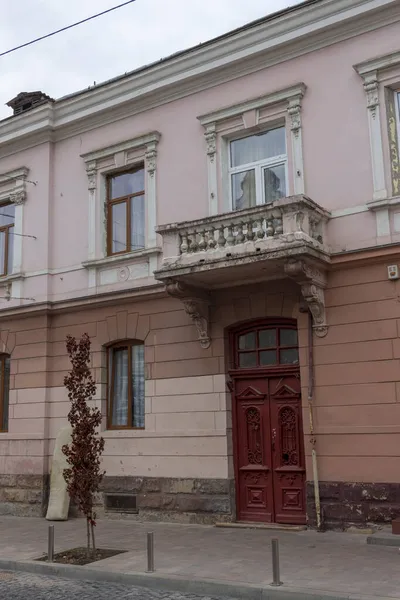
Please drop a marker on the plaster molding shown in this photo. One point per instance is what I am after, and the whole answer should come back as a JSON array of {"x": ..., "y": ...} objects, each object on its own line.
[
  {"x": 267, "y": 42},
  {"x": 196, "y": 305},
  {"x": 211, "y": 141},
  {"x": 13, "y": 189},
  {"x": 99, "y": 164},
  {"x": 235, "y": 110},
  {"x": 312, "y": 283},
  {"x": 372, "y": 91},
  {"x": 378, "y": 64},
  {"x": 121, "y": 258}
]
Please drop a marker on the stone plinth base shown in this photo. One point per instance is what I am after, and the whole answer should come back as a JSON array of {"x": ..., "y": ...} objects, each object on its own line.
[
  {"x": 23, "y": 495},
  {"x": 176, "y": 500},
  {"x": 354, "y": 504}
]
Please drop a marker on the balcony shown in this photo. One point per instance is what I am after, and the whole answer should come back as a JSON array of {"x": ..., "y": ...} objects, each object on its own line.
[{"x": 285, "y": 238}]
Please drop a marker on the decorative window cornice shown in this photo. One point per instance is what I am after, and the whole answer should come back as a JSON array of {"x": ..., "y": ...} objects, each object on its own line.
[
  {"x": 288, "y": 94},
  {"x": 96, "y": 159},
  {"x": 378, "y": 64},
  {"x": 13, "y": 185}
]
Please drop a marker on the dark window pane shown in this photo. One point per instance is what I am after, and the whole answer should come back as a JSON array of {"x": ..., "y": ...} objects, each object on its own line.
[
  {"x": 274, "y": 183},
  {"x": 137, "y": 222},
  {"x": 268, "y": 357},
  {"x": 126, "y": 184},
  {"x": 119, "y": 389},
  {"x": 248, "y": 359},
  {"x": 267, "y": 338},
  {"x": 138, "y": 385},
  {"x": 247, "y": 341},
  {"x": 290, "y": 356},
  {"x": 243, "y": 190},
  {"x": 258, "y": 147},
  {"x": 118, "y": 227},
  {"x": 288, "y": 337}
]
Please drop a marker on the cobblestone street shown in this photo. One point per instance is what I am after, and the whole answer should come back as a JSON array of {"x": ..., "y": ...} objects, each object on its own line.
[{"x": 25, "y": 586}]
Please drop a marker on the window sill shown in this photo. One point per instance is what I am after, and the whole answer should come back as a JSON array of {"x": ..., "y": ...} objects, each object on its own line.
[
  {"x": 384, "y": 203},
  {"x": 121, "y": 258},
  {"x": 11, "y": 277}
]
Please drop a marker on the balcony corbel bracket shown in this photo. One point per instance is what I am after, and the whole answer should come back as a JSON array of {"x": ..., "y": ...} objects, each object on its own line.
[
  {"x": 312, "y": 283},
  {"x": 196, "y": 306}
]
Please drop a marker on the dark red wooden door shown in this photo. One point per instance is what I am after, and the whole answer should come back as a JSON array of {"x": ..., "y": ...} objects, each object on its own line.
[
  {"x": 267, "y": 423},
  {"x": 254, "y": 451}
]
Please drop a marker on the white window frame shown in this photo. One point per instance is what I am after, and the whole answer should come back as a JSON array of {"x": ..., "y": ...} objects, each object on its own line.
[
  {"x": 221, "y": 127},
  {"x": 258, "y": 166}
]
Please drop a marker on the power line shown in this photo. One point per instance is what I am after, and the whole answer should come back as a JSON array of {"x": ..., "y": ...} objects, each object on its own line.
[{"x": 43, "y": 37}]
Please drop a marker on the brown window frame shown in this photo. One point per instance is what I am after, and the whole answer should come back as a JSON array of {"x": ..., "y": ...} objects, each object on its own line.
[
  {"x": 261, "y": 325},
  {"x": 4, "y": 406},
  {"x": 110, "y": 384},
  {"x": 121, "y": 200},
  {"x": 5, "y": 229}
]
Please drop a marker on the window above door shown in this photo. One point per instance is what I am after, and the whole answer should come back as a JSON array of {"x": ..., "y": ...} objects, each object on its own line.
[{"x": 266, "y": 346}]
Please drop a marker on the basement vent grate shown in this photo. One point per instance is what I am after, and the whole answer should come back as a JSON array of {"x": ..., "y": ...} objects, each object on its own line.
[{"x": 121, "y": 503}]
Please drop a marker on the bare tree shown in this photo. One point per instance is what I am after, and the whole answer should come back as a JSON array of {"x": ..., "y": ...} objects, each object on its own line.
[{"x": 84, "y": 475}]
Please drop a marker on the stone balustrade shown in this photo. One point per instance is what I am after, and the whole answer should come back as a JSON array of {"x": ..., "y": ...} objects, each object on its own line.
[
  {"x": 245, "y": 231},
  {"x": 233, "y": 232}
]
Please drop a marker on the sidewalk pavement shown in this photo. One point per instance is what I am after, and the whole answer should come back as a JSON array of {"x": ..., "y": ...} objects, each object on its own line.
[{"x": 340, "y": 565}]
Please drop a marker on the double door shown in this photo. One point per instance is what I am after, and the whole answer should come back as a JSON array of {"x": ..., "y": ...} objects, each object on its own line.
[{"x": 268, "y": 448}]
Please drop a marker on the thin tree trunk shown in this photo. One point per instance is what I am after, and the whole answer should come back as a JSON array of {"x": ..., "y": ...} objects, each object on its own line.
[
  {"x": 93, "y": 540},
  {"x": 88, "y": 537}
]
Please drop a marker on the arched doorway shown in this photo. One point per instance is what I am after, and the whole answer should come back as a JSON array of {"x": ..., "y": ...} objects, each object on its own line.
[{"x": 267, "y": 422}]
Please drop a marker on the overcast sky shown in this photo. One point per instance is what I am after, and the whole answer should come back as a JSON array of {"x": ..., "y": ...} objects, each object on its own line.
[{"x": 134, "y": 35}]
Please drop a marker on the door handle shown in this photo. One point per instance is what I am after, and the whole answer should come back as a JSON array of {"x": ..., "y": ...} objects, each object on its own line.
[{"x": 273, "y": 438}]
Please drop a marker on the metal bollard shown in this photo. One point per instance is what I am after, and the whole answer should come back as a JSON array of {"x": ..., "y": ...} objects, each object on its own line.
[
  {"x": 50, "y": 547},
  {"x": 150, "y": 552},
  {"x": 276, "y": 579}
]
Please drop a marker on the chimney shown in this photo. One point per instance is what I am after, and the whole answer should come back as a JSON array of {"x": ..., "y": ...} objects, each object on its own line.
[{"x": 27, "y": 100}]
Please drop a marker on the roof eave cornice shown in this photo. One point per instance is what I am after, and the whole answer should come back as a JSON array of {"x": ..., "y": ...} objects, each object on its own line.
[{"x": 246, "y": 51}]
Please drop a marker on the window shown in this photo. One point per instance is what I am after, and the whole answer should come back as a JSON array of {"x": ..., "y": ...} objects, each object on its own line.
[
  {"x": 126, "y": 386},
  {"x": 7, "y": 219},
  {"x": 267, "y": 347},
  {"x": 125, "y": 218},
  {"x": 4, "y": 390},
  {"x": 258, "y": 166}
]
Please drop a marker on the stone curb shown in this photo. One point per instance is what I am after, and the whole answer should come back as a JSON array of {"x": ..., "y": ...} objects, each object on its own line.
[{"x": 201, "y": 587}]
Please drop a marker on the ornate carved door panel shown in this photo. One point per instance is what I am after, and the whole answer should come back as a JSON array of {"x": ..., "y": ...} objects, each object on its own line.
[
  {"x": 287, "y": 446},
  {"x": 253, "y": 451},
  {"x": 267, "y": 424}
]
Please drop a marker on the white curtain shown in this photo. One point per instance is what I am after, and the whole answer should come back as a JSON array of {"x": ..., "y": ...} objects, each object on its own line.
[
  {"x": 137, "y": 222},
  {"x": 6, "y": 391},
  {"x": 138, "y": 394},
  {"x": 244, "y": 189},
  {"x": 120, "y": 389},
  {"x": 258, "y": 147}
]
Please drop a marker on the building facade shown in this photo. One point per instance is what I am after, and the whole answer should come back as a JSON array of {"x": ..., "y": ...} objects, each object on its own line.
[{"x": 225, "y": 225}]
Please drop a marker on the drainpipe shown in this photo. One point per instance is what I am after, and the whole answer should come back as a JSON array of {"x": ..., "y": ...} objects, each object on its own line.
[{"x": 310, "y": 414}]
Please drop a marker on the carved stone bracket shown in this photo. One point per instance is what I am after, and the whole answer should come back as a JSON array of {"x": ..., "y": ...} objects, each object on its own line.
[
  {"x": 196, "y": 306},
  {"x": 312, "y": 282}
]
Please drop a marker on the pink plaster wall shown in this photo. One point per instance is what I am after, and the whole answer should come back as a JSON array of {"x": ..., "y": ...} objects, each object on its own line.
[{"x": 335, "y": 147}]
